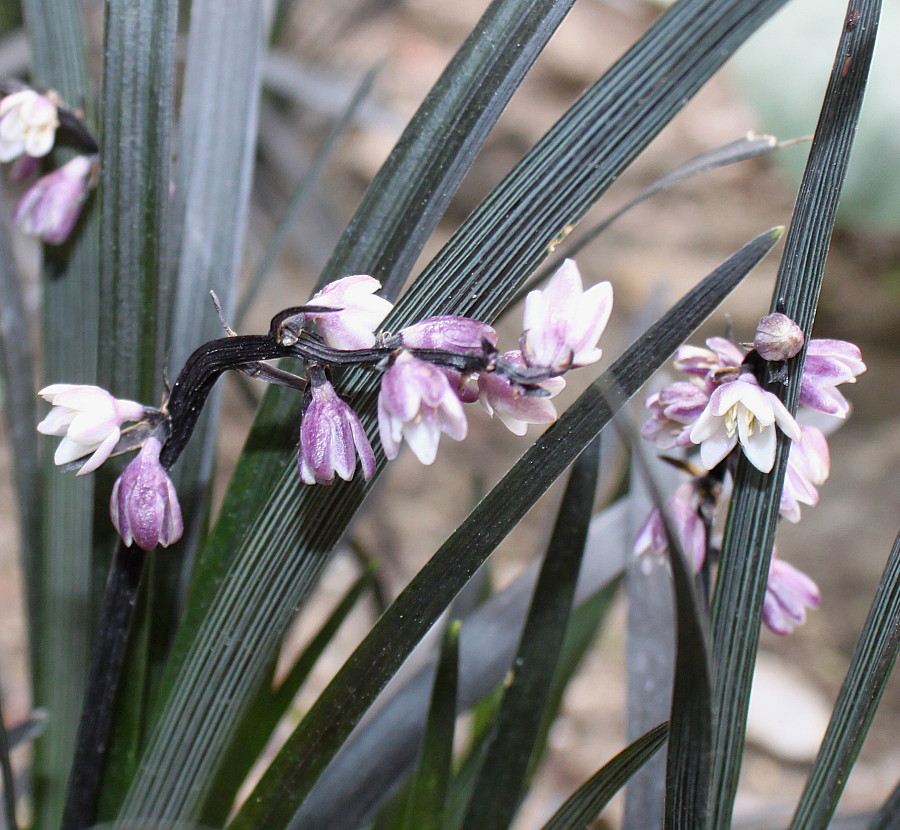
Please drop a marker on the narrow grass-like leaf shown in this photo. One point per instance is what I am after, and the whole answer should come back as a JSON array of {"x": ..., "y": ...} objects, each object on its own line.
[
  {"x": 138, "y": 91},
  {"x": 366, "y": 672},
  {"x": 7, "y": 781},
  {"x": 133, "y": 197},
  {"x": 888, "y": 817},
  {"x": 215, "y": 151},
  {"x": 304, "y": 188},
  {"x": 650, "y": 656},
  {"x": 734, "y": 152},
  {"x": 507, "y": 760},
  {"x": 870, "y": 667},
  {"x": 689, "y": 755},
  {"x": 583, "y": 807},
  {"x": 428, "y": 793},
  {"x": 374, "y": 760},
  {"x": 69, "y": 348},
  {"x": 411, "y": 191},
  {"x": 283, "y": 549},
  {"x": 269, "y": 707},
  {"x": 28, "y": 730},
  {"x": 753, "y": 515}
]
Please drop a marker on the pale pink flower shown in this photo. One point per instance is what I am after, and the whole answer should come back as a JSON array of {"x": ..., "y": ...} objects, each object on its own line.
[
  {"x": 360, "y": 311},
  {"x": 28, "y": 122},
  {"x": 808, "y": 467},
  {"x": 789, "y": 592},
  {"x": 720, "y": 357},
  {"x": 563, "y": 323},
  {"x": 416, "y": 402},
  {"x": 51, "y": 206},
  {"x": 741, "y": 411},
  {"x": 452, "y": 333},
  {"x": 89, "y": 419},
  {"x": 778, "y": 337},
  {"x": 829, "y": 363},
  {"x": 686, "y": 523},
  {"x": 674, "y": 410},
  {"x": 144, "y": 505},
  {"x": 331, "y": 436},
  {"x": 512, "y": 404}
]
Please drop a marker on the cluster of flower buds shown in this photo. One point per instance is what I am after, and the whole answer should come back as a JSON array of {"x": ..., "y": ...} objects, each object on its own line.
[
  {"x": 723, "y": 410},
  {"x": 429, "y": 371},
  {"x": 29, "y": 124}
]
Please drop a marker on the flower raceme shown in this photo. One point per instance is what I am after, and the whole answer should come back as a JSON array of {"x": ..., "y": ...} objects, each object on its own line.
[
  {"x": 428, "y": 371},
  {"x": 89, "y": 419},
  {"x": 722, "y": 409}
]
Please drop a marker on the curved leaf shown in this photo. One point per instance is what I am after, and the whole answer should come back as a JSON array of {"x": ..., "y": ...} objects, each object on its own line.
[{"x": 753, "y": 514}]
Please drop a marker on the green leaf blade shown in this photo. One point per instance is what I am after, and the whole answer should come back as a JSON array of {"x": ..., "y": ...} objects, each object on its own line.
[{"x": 508, "y": 758}]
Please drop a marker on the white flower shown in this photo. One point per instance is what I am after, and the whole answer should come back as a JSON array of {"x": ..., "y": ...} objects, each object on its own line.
[
  {"x": 359, "y": 312},
  {"x": 742, "y": 411},
  {"x": 416, "y": 402},
  {"x": 28, "y": 122},
  {"x": 89, "y": 419},
  {"x": 808, "y": 467},
  {"x": 563, "y": 323}
]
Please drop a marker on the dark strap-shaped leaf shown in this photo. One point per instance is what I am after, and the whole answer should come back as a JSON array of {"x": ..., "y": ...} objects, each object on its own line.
[
  {"x": 69, "y": 323},
  {"x": 583, "y": 807},
  {"x": 753, "y": 515},
  {"x": 888, "y": 817},
  {"x": 507, "y": 761},
  {"x": 428, "y": 793},
  {"x": 366, "y": 672},
  {"x": 870, "y": 667},
  {"x": 379, "y": 754}
]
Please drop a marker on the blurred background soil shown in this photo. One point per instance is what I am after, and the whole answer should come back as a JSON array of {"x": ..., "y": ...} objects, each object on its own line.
[{"x": 654, "y": 254}]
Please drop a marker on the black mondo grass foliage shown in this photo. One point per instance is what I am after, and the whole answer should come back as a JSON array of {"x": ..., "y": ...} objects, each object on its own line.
[{"x": 159, "y": 671}]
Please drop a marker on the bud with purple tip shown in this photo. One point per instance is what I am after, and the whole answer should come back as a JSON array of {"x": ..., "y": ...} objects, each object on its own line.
[{"x": 144, "y": 505}]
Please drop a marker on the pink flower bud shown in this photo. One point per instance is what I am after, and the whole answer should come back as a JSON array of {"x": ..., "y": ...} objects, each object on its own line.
[
  {"x": 778, "y": 337},
  {"x": 331, "y": 436},
  {"x": 144, "y": 505},
  {"x": 50, "y": 207}
]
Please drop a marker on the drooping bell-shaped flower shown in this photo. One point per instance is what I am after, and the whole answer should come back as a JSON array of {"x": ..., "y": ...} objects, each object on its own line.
[
  {"x": 721, "y": 358},
  {"x": 563, "y": 322},
  {"x": 789, "y": 592},
  {"x": 331, "y": 436},
  {"x": 828, "y": 364},
  {"x": 28, "y": 122},
  {"x": 144, "y": 505},
  {"x": 51, "y": 206},
  {"x": 416, "y": 402},
  {"x": 359, "y": 311},
  {"x": 686, "y": 522},
  {"x": 89, "y": 419},
  {"x": 512, "y": 404},
  {"x": 741, "y": 411},
  {"x": 808, "y": 467},
  {"x": 452, "y": 333}
]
